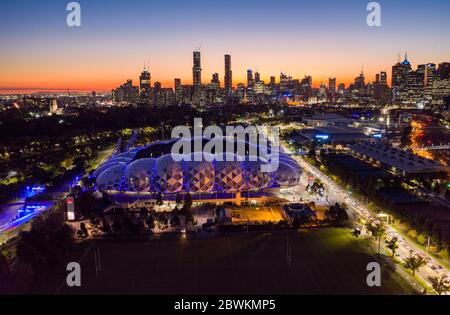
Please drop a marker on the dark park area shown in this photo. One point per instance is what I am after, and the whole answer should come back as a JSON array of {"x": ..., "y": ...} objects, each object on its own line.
[{"x": 325, "y": 261}]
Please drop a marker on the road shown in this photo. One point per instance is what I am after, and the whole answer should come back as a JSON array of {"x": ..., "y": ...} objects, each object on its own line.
[
  {"x": 11, "y": 225},
  {"x": 406, "y": 248}
]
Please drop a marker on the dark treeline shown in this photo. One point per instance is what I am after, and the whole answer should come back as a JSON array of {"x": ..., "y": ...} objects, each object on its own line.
[
  {"x": 89, "y": 120},
  {"x": 13, "y": 125}
]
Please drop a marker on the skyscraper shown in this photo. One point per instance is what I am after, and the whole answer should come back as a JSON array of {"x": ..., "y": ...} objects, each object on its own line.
[
  {"x": 257, "y": 76},
  {"x": 228, "y": 75},
  {"x": 381, "y": 90},
  {"x": 399, "y": 72},
  {"x": 126, "y": 93},
  {"x": 360, "y": 83},
  {"x": 383, "y": 77},
  {"x": 215, "y": 80},
  {"x": 250, "y": 77},
  {"x": 285, "y": 82},
  {"x": 272, "y": 80},
  {"x": 444, "y": 70},
  {"x": 332, "y": 85},
  {"x": 145, "y": 85},
  {"x": 178, "y": 91},
  {"x": 197, "y": 72},
  {"x": 145, "y": 80}
]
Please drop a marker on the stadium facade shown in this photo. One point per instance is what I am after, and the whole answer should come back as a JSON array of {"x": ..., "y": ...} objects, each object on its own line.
[{"x": 153, "y": 169}]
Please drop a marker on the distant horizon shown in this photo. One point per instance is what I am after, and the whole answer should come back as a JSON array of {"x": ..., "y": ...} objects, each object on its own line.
[{"x": 316, "y": 83}]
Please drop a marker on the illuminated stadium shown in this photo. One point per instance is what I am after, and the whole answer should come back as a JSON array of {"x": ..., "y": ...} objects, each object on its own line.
[{"x": 152, "y": 169}]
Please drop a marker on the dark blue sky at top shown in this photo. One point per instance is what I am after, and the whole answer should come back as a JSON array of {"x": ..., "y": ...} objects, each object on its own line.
[{"x": 30, "y": 18}]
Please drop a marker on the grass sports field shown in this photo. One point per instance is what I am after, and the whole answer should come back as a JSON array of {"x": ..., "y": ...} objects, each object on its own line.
[{"x": 326, "y": 261}]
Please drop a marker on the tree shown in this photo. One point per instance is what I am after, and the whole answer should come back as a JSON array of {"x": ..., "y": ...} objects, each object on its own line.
[
  {"x": 88, "y": 182},
  {"x": 440, "y": 284},
  {"x": 312, "y": 153},
  {"x": 83, "y": 230},
  {"x": 178, "y": 199},
  {"x": 377, "y": 229},
  {"x": 392, "y": 244},
  {"x": 150, "y": 222},
  {"x": 175, "y": 220},
  {"x": 5, "y": 275},
  {"x": 159, "y": 199},
  {"x": 187, "y": 205},
  {"x": 413, "y": 263},
  {"x": 85, "y": 204},
  {"x": 405, "y": 139},
  {"x": 106, "y": 227},
  {"x": 143, "y": 213},
  {"x": 337, "y": 213}
]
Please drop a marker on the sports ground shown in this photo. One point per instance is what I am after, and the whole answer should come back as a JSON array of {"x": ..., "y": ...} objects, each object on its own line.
[{"x": 325, "y": 261}]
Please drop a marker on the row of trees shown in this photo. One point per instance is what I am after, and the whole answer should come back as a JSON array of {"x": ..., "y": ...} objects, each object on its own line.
[
  {"x": 440, "y": 284},
  {"x": 377, "y": 189}
]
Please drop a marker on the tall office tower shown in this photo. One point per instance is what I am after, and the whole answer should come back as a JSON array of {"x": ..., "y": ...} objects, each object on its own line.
[
  {"x": 215, "y": 80},
  {"x": 400, "y": 71},
  {"x": 426, "y": 73},
  {"x": 322, "y": 91},
  {"x": 144, "y": 85},
  {"x": 341, "y": 88},
  {"x": 360, "y": 83},
  {"x": 178, "y": 91},
  {"x": 240, "y": 92},
  {"x": 156, "y": 93},
  {"x": 332, "y": 85},
  {"x": 383, "y": 77},
  {"x": 307, "y": 80},
  {"x": 228, "y": 75},
  {"x": 285, "y": 82},
  {"x": 257, "y": 77},
  {"x": 272, "y": 80},
  {"x": 381, "y": 90},
  {"x": 187, "y": 94},
  {"x": 258, "y": 87},
  {"x": 145, "y": 80},
  {"x": 126, "y": 93},
  {"x": 429, "y": 75},
  {"x": 250, "y": 79},
  {"x": 197, "y": 72},
  {"x": 444, "y": 70}
]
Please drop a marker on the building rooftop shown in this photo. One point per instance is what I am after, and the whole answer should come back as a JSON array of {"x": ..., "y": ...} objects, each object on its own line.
[
  {"x": 398, "y": 158},
  {"x": 335, "y": 130}
]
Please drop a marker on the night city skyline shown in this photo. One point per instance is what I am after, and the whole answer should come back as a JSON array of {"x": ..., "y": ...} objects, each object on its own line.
[
  {"x": 37, "y": 53},
  {"x": 234, "y": 155}
]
